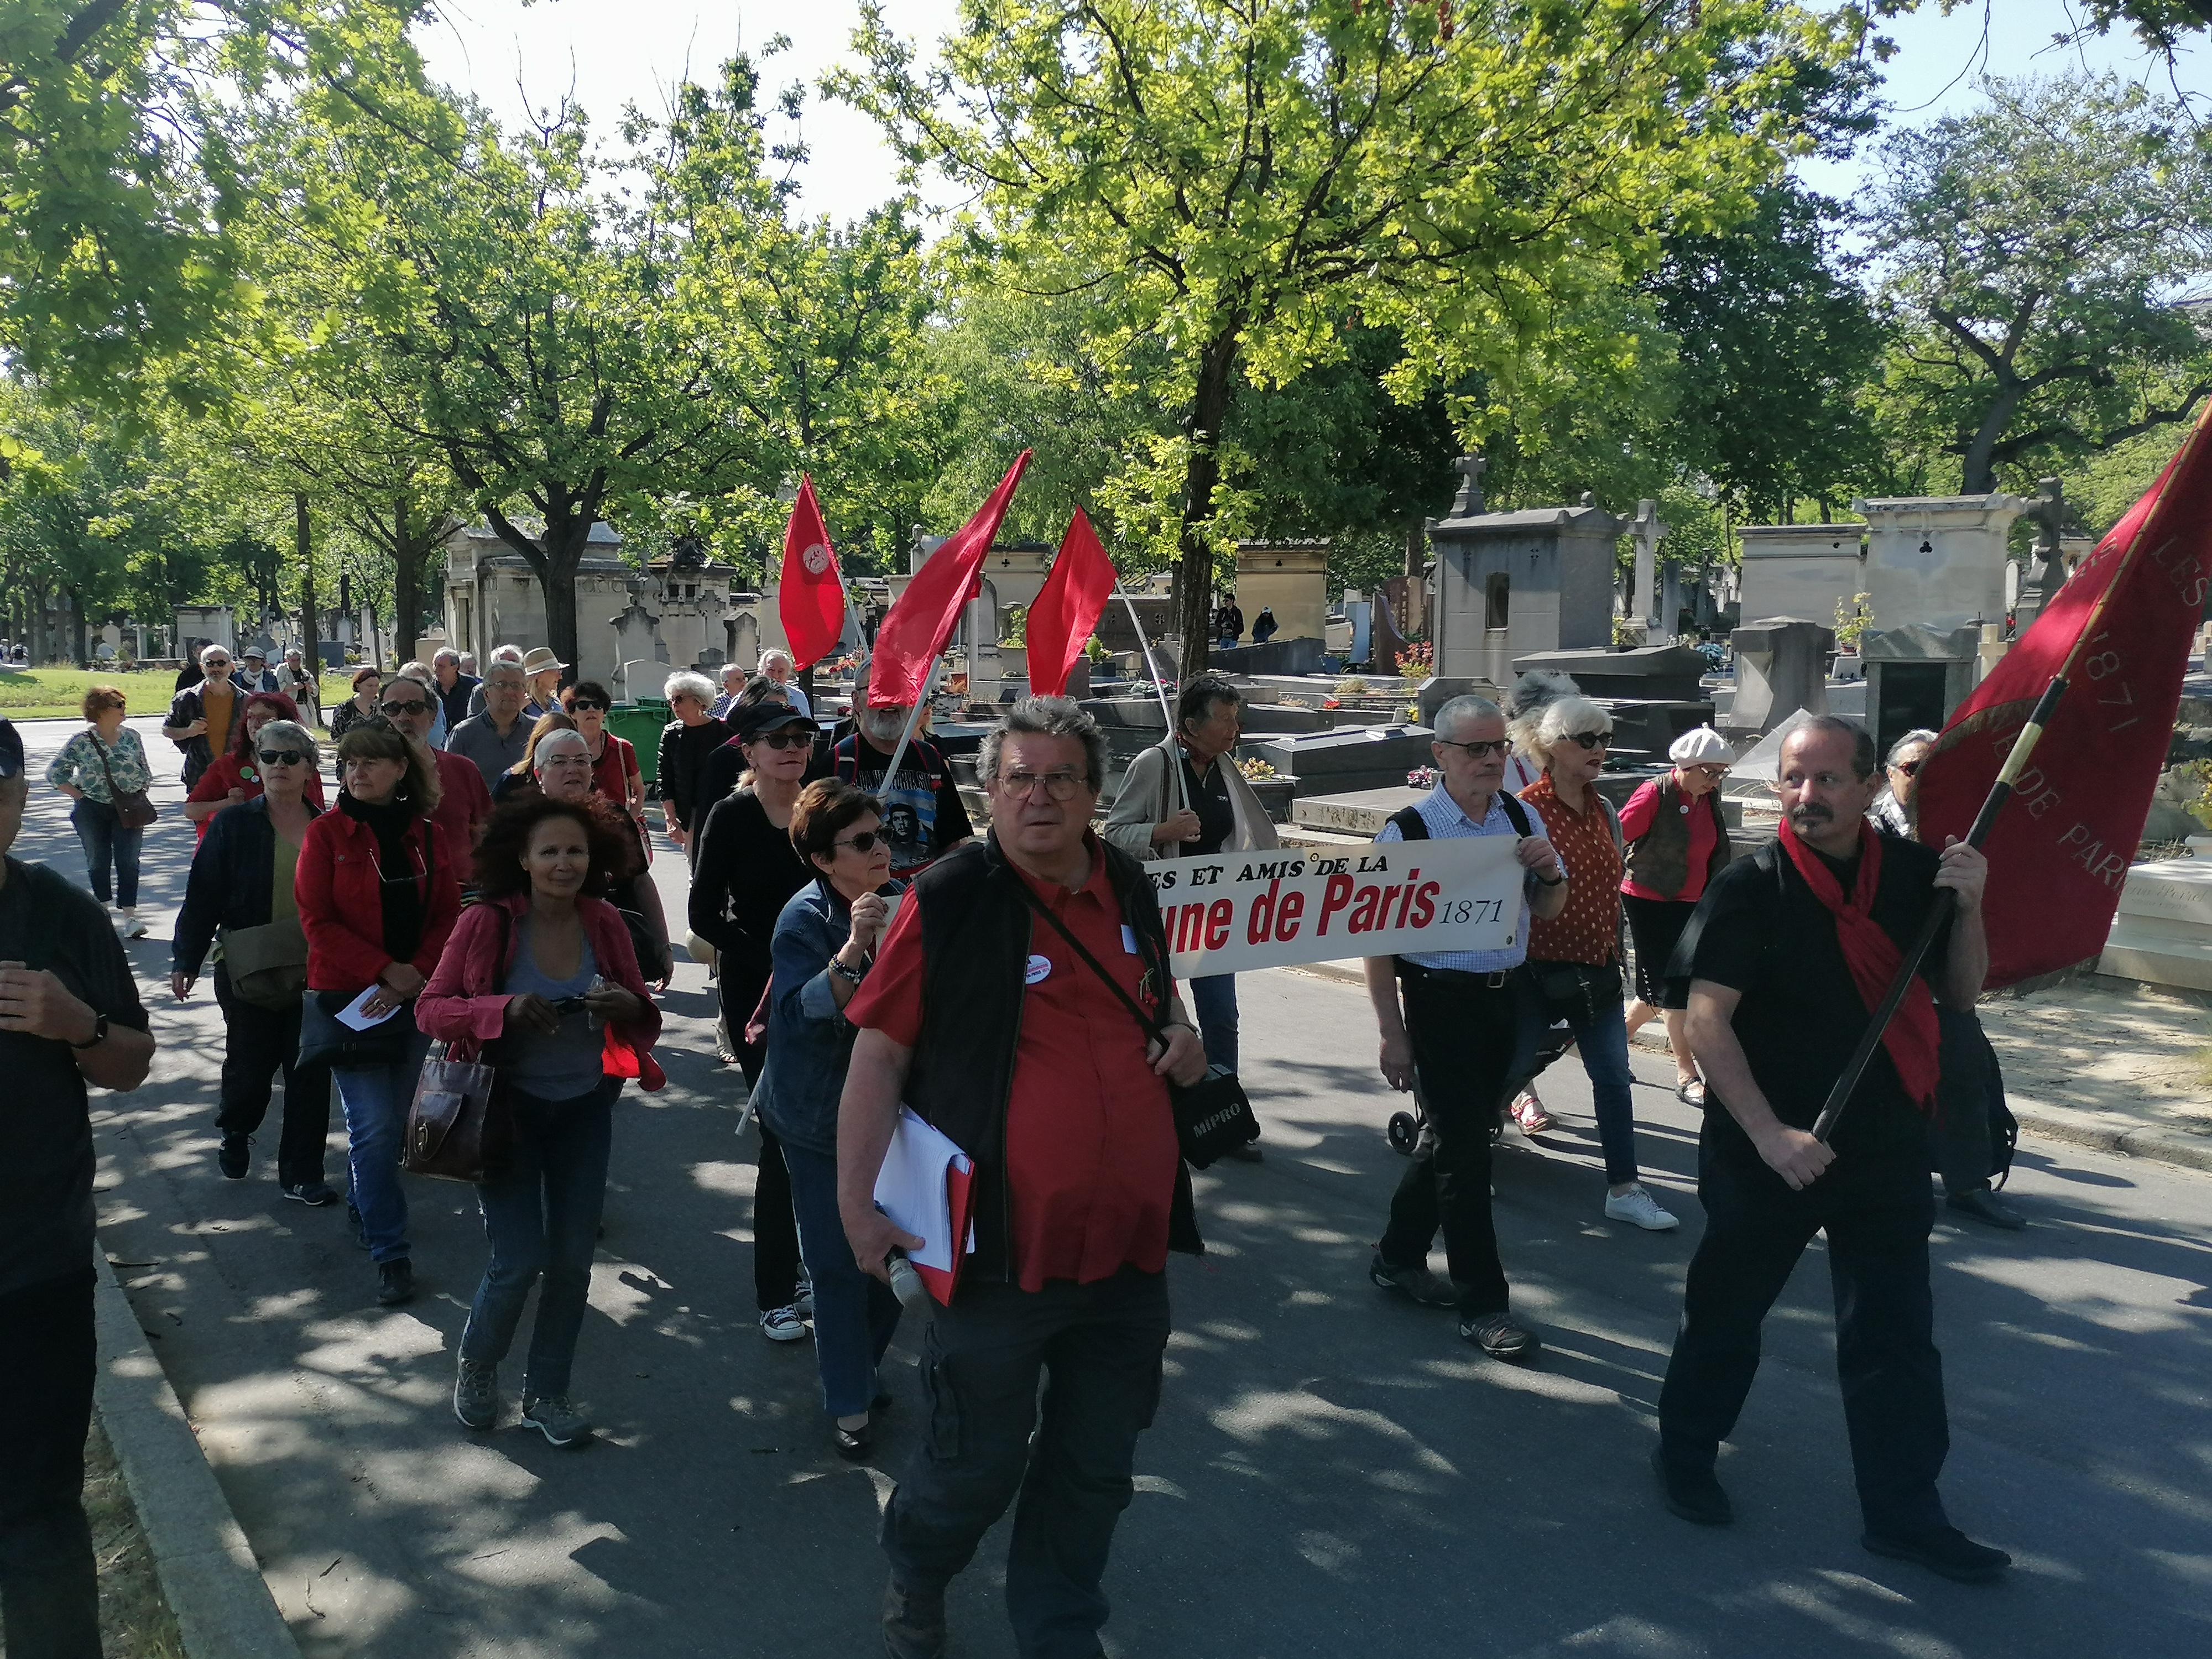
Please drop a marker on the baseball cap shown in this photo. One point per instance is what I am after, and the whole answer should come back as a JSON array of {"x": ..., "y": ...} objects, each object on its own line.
[
  {"x": 11, "y": 749},
  {"x": 767, "y": 717}
]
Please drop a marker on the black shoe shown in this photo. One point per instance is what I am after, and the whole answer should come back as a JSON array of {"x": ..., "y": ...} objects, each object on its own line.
[
  {"x": 913, "y": 1622},
  {"x": 1693, "y": 1494},
  {"x": 235, "y": 1157},
  {"x": 1418, "y": 1284},
  {"x": 1945, "y": 1551},
  {"x": 1497, "y": 1335},
  {"x": 312, "y": 1194},
  {"x": 354, "y": 1226},
  {"x": 1984, "y": 1205},
  {"x": 395, "y": 1283},
  {"x": 852, "y": 1444}
]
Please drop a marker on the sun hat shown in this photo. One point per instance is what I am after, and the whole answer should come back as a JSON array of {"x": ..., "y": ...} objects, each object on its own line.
[
  {"x": 540, "y": 660},
  {"x": 1701, "y": 746}
]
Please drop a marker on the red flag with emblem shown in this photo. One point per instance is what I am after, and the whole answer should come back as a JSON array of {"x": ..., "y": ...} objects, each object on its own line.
[
  {"x": 809, "y": 599},
  {"x": 1069, "y": 607},
  {"x": 920, "y": 624},
  {"x": 2059, "y": 852}
]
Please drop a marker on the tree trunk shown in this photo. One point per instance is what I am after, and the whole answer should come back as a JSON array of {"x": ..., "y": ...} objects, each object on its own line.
[
  {"x": 303, "y": 542},
  {"x": 1195, "y": 565},
  {"x": 406, "y": 577},
  {"x": 79, "y": 652},
  {"x": 556, "y": 557}
]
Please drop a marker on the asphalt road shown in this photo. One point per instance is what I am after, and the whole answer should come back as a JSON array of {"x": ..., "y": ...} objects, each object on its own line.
[{"x": 1332, "y": 1472}]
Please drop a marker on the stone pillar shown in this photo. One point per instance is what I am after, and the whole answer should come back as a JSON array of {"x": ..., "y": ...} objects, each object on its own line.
[
  {"x": 1937, "y": 561},
  {"x": 1781, "y": 666}
]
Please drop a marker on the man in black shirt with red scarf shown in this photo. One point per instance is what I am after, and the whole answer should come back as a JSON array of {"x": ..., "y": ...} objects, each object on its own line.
[{"x": 1786, "y": 953}]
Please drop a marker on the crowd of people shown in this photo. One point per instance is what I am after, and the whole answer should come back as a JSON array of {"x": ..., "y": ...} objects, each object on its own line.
[{"x": 477, "y": 877}]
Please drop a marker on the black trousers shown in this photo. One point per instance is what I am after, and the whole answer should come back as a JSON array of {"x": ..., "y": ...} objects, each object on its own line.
[
  {"x": 257, "y": 1044},
  {"x": 1098, "y": 1348},
  {"x": 49, "y": 1595},
  {"x": 1463, "y": 1035},
  {"x": 775, "y": 1222},
  {"x": 1877, "y": 1214}
]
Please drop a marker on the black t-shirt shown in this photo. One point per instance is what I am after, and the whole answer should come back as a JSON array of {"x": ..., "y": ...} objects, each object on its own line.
[
  {"x": 1759, "y": 930},
  {"x": 747, "y": 869},
  {"x": 45, "y": 1133},
  {"x": 1209, "y": 799}
]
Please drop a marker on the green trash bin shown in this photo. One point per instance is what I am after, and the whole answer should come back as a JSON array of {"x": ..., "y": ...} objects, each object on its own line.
[{"x": 639, "y": 724}]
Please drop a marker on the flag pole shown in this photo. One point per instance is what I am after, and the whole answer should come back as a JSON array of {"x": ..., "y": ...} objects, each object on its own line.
[
  {"x": 2015, "y": 762},
  {"x": 913, "y": 719}
]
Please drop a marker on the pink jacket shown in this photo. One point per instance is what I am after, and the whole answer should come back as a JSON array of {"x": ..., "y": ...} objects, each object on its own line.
[{"x": 462, "y": 1004}]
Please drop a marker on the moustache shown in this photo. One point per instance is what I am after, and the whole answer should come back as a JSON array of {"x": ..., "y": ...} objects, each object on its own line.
[{"x": 1811, "y": 812}]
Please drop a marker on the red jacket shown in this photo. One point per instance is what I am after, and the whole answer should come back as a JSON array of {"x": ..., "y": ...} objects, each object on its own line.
[
  {"x": 342, "y": 906},
  {"x": 464, "y": 807},
  {"x": 464, "y": 1006}
]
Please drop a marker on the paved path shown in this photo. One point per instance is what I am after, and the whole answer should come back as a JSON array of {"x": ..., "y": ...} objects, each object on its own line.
[{"x": 1333, "y": 1473}]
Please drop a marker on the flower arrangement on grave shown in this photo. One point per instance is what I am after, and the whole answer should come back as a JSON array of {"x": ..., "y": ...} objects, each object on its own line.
[
  {"x": 1353, "y": 686},
  {"x": 1422, "y": 777},
  {"x": 1417, "y": 658},
  {"x": 1254, "y": 769}
]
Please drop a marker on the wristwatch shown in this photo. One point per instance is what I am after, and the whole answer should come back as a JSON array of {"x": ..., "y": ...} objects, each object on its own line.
[
  {"x": 99, "y": 1033},
  {"x": 850, "y": 976}
]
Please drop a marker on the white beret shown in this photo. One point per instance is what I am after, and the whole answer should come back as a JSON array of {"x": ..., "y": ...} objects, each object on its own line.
[{"x": 1702, "y": 747}]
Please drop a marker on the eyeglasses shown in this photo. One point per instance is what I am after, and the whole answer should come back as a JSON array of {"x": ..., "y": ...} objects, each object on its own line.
[
  {"x": 410, "y": 706},
  {"x": 1716, "y": 773},
  {"x": 1593, "y": 739},
  {"x": 283, "y": 757},
  {"x": 1911, "y": 769},
  {"x": 787, "y": 737},
  {"x": 865, "y": 841},
  {"x": 1479, "y": 750},
  {"x": 1058, "y": 786},
  {"x": 577, "y": 705}
]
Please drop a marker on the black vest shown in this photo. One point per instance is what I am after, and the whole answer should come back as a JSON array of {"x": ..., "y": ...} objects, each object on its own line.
[{"x": 975, "y": 946}]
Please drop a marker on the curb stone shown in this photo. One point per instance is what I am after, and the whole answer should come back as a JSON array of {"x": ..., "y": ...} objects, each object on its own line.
[
  {"x": 2103, "y": 1132},
  {"x": 213, "y": 1584}
]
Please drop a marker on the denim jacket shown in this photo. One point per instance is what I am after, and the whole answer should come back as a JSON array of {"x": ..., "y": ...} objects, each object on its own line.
[{"x": 809, "y": 1040}]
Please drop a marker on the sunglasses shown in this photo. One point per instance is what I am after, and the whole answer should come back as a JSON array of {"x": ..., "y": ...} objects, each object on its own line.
[
  {"x": 410, "y": 706},
  {"x": 865, "y": 841},
  {"x": 1593, "y": 739},
  {"x": 283, "y": 757},
  {"x": 787, "y": 737},
  {"x": 1479, "y": 750},
  {"x": 577, "y": 705},
  {"x": 1911, "y": 769}
]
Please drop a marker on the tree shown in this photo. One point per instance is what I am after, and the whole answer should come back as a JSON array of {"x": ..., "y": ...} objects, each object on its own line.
[
  {"x": 1239, "y": 180},
  {"x": 2033, "y": 257}
]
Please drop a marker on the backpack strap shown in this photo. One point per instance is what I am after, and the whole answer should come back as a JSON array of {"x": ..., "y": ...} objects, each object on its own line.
[
  {"x": 1515, "y": 813},
  {"x": 1412, "y": 826}
]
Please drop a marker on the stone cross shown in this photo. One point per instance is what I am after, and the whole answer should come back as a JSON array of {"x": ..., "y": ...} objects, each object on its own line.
[
  {"x": 2046, "y": 567},
  {"x": 1648, "y": 531},
  {"x": 1469, "y": 502}
]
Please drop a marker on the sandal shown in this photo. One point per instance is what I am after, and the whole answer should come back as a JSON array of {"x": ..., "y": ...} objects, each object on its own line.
[
  {"x": 1691, "y": 1091},
  {"x": 1529, "y": 1115}
]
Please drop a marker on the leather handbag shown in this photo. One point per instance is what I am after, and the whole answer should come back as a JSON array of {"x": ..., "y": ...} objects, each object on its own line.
[
  {"x": 267, "y": 966},
  {"x": 1213, "y": 1116},
  {"x": 134, "y": 808},
  {"x": 460, "y": 1127},
  {"x": 325, "y": 1039}
]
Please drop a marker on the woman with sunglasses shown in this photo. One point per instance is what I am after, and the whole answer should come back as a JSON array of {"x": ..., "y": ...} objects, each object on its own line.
[
  {"x": 824, "y": 940},
  {"x": 378, "y": 891},
  {"x": 1574, "y": 958},
  {"x": 747, "y": 870},
  {"x": 94, "y": 766},
  {"x": 1678, "y": 840},
  {"x": 615, "y": 772},
  {"x": 232, "y": 778},
  {"x": 242, "y": 878}
]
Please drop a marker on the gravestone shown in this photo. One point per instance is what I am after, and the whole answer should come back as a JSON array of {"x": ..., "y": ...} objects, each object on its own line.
[
  {"x": 1653, "y": 693},
  {"x": 1781, "y": 666},
  {"x": 1801, "y": 569},
  {"x": 1936, "y": 560},
  {"x": 744, "y": 630},
  {"x": 1511, "y": 583},
  {"x": 2045, "y": 570},
  {"x": 2162, "y": 930},
  {"x": 1332, "y": 763},
  {"x": 1916, "y": 676},
  {"x": 1441, "y": 689},
  {"x": 1647, "y": 532}
]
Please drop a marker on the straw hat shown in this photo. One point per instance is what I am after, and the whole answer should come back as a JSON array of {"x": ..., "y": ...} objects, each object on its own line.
[{"x": 540, "y": 660}]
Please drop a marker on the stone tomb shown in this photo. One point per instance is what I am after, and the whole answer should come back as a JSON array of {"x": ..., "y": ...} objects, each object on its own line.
[
  {"x": 1508, "y": 584},
  {"x": 1917, "y": 676},
  {"x": 1653, "y": 693},
  {"x": 1290, "y": 577},
  {"x": 1938, "y": 561},
  {"x": 493, "y": 598},
  {"x": 1334, "y": 763},
  {"x": 1801, "y": 569},
  {"x": 1781, "y": 666},
  {"x": 2162, "y": 931}
]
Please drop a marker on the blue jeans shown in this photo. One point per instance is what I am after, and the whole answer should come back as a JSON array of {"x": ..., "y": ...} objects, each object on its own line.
[
  {"x": 855, "y": 1314},
  {"x": 375, "y": 1099},
  {"x": 1213, "y": 1004},
  {"x": 542, "y": 1218},
  {"x": 1601, "y": 1039},
  {"x": 106, "y": 841}
]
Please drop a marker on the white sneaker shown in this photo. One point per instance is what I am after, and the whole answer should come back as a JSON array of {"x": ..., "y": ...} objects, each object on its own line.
[
  {"x": 132, "y": 926},
  {"x": 782, "y": 1325},
  {"x": 1640, "y": 1208}
]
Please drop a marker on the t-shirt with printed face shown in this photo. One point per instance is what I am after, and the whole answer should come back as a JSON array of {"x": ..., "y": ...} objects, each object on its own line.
[{"x": 923, "y": 814}]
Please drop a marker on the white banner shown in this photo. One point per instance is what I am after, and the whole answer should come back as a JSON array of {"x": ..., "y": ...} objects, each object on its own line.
[{"x": 1238, "y": 911}]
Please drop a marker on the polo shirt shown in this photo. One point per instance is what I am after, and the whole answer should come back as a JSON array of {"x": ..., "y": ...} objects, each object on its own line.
[
  {"x": 1588, "y": 928},
  {"x": 1445, "y": 820},
  {"x": 477, "y": 739},
  {"x": 1090, "y": 1142}
]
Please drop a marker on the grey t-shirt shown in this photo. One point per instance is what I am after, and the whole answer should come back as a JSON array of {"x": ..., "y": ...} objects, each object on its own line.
[
  {"x": 567, "y": 1064},
  {"x": 477, "y": 739}
]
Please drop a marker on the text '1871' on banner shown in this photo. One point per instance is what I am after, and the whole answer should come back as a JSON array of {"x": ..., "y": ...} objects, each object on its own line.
[{"x": 1238, "y": 911}]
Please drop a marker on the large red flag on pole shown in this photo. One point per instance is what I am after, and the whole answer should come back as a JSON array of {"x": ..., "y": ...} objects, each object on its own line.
[
  {"x": 920, "y": 625},
  {"x": 2058, "y": 857},
  {"x": 809, "y": 599},
  {"x": 1069, "y": 607}
]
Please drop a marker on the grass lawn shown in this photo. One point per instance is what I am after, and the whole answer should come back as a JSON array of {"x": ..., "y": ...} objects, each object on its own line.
[
  {"x": 134, "y": 1620},
  {"x": 29, "y": 694}
]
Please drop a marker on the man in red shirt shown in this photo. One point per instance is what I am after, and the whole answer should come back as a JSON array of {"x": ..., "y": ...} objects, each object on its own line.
[
  {"x": 979, "y": 1014},
  {"x": 464, "y": 803}
]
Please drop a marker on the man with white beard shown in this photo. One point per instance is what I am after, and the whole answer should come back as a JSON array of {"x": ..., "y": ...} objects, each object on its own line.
[{"x": 924, "y": 817}]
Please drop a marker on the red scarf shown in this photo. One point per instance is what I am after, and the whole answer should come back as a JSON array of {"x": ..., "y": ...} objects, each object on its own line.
[{"x": 1872, "y": 956}]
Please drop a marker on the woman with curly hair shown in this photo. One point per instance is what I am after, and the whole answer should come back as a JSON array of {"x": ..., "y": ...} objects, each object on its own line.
[
  {"x": 93, "y": 768},
  {"x": 541, "y": 977},
  {"x": 233, "y": 778}
]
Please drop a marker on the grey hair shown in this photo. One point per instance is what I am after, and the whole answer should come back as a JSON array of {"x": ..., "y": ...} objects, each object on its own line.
[
  {"x": 445, "y": 653},
  {"x": 1535, "y": 689},
  {"x": 1558, "y": 718},
  {"x": 1918, "y": 734},
  {"x": 1466, "y": 708},
  {"x": 419, "y": 672},
  {"x": 209, "y": 650},
  {"x": 512, "y": 654},
  {"x": 774, "y": 654},
  {"x": 1046, "y": 717},
  {"x": 504, "y": 665},
  {"x": 1862, "y": 749},
  {"x": 293, "y": 732},
  {"x": 689, "y": 683},
  {"x": 538, "y": 751},
  {"x": 736, "y": 668}
]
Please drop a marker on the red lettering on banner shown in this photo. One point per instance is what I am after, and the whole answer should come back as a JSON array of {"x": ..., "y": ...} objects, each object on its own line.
[
  {"x": 1286, "y": 917},
  {"x": 1216, "y": 924},
  {"x": 1263, "y": 919},
  {"x": 1425, "y": 909},
  {"x": 1333, "y": 897},
  {"x": 1406, "y": 895},
  {"x": 1363, "y": 910},
  {"x": 1190, "y": 927}
]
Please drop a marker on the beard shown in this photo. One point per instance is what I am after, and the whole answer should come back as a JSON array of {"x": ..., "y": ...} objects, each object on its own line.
[{"x": 883, "y": 725}]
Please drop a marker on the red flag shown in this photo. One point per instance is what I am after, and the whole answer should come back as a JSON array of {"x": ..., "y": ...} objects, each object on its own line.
[
  {"x": 920, "y": 625},
  {"x": 810, "y": 597},
  {"x": 1068, "y": 606},
  {"x": 2060, "y": 849}
]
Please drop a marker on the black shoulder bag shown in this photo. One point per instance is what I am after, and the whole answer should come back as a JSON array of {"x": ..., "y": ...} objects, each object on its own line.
[{"x": 1213, "y": 1116}]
